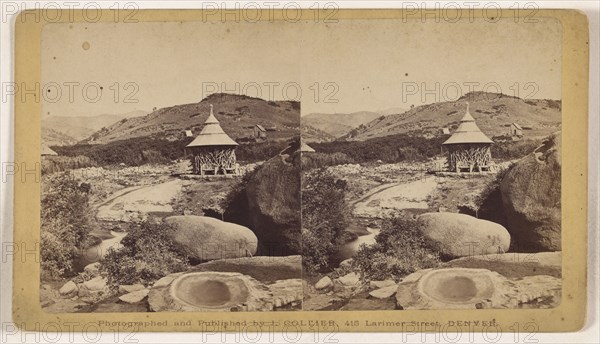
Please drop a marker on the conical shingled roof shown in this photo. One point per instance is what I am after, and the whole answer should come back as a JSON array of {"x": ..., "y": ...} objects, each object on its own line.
[
  {"x": 304, "y": 148},
  {"x": 468, "y": 132},
  {"x": 212, "y": 134},
  {"x": 47, "y": 150}
]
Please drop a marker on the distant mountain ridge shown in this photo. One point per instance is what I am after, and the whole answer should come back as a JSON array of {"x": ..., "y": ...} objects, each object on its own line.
[
  {"x": 237, "y": 115},
  {"x": 493, "y": 114},
  {"x": 76, "y": 128},
  {"x": 340, "y": 124}
]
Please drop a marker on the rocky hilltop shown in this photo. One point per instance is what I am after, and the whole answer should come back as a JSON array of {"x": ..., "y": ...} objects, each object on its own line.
[
  {"x": 236, "y": 113},
  {"x": 493, "y": 112}
]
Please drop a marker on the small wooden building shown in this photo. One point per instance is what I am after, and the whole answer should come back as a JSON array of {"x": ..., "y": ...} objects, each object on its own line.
[
  {"x": 468, "y": 148},
  {"x": 259, "y": 131},
  {"x": 515, "y": 130},
  {"x": 213, "y": 151}
]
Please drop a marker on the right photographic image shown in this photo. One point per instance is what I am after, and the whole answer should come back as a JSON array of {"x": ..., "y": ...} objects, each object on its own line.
[{"x": 431, "y": 165}]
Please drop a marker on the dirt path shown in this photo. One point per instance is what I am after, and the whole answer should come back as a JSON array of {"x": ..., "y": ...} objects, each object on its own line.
[
  {"x": 136, "y": 202},
  {"x": 395, "y": 196}
]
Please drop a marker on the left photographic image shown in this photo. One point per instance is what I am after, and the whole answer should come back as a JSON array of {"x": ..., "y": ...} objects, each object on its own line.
[{"x": 170, "y": 169}]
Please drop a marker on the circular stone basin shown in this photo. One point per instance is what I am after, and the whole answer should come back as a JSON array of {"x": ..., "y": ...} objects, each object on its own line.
[
  {"x": 210, "y": 290},
  {"x": 457, "y": 286}
]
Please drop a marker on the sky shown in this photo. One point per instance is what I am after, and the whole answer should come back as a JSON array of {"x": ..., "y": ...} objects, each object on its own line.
[{"x": 348, "y": 66}]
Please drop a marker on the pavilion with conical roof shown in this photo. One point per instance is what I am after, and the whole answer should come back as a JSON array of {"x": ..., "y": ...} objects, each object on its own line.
[
  {"x": 468, "y": 148},
  {"x": 213, "y": 151}
]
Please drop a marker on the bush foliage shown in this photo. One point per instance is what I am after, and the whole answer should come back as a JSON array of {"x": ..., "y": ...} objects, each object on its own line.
[
  {"x": 399, "y": 249},
  {"x": 65, "y": 222},
  {"x": 147, "y": 254},
  {"x": 53, "y": 164},
  {"x": 317, "y": 160},
  {"x": 389, "y": 149},
  {"x": 325, "y": 215},
  {"x": 510, "y": 150},
  {"x": 145, "y": 150}
]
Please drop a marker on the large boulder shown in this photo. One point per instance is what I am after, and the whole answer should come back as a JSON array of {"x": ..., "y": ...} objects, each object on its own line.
[
  {"x": 531, "y": 192},
  {"x": 460, "y": 235},
  {"x": 207, "y": 238},
  {"x": 270, "y": 204}
]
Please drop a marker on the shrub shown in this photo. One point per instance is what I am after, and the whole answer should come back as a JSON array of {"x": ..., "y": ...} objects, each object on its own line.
[
  {"x": 53, "y": 164},
  {"x": 399, "y": 249},
  {"x": 317, "y": 160},
  {"x": 260, "y": 151},
  {"x": 65, "y": 222},
  {"x": 511, "y": 150},
  {"x": 147, "y": 254},
  {"x": 389, "y": 149},
  {"x": 325, "y": 215}
]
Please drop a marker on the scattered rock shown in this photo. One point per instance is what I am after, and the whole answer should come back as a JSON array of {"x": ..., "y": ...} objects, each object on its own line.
[
  {"x": 68, "y": 289},
  {"x": 95, "y": 284},
  {"x": 165, "y": 281},
  {"x": 93, "y": 268},
  {"x": 460, "y": 235},
  {"x": 83, "y": 291},
  {"x": 324, "y": 283},
  {"x": 129, "y": 288},
  {"x": 381, "y": 284},
  {"x": 207, "y": 238},
  {"x": 135, "y": 296},
  {"x": 384, "y": 292},
  {"x": 287, "y": 292},
  {"x": 349, "y": 280},
  {"x": 347, "y": 263},
  {"x": 531, "y": 192}
]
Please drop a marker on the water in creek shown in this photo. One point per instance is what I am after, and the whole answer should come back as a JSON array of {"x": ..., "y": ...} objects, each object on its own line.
[
  {"x": 349, "y": 249},
  {"x": 97, "y": 252}
]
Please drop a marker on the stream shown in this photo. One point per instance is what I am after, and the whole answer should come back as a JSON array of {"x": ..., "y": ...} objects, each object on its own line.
[
  {"x": 349, "y": 249},
  {"x": 97, "y": 252}
]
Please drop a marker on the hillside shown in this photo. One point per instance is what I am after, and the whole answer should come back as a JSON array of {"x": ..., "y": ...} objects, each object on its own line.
[
  {"x": 493, "y": 113},
  {"x": 312, "y": 134},
  {"x": 79, "y": 127},
  {"x": 237, "y": 114},
  {"x": 51, "y": 137},
  {"x": 338, "y": 124}
]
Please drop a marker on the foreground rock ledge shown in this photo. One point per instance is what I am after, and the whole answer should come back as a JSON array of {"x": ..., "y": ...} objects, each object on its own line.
[
  {"x": 461, "y": 288},
  {"x": 221, "y": 291}
]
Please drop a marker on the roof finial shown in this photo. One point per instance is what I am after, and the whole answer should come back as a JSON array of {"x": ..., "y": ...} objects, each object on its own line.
[
  {"x": 211, "y": 108},
  {"x": 467, "y": 106}
]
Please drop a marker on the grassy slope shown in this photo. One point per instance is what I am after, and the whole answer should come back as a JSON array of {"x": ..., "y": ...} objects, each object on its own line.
[
  {"x": 493, "y": 112},
  {"x": 235, "y": 112}
]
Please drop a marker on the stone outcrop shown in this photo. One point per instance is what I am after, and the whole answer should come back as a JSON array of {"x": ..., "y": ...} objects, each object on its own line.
[
  {"x": 531, "y": 196},
  {"x": 269, "y": 204},
  {"x": 459, "y": 235},
  {"x": 384, "y": 293},
  {"x": 207, "y": 238},
  {"x": 68, "y": 289},
  {"x": 324, "y": 283},
  {"x": 461, "y": 288},
  {"x": 135, "y": 296},
  {"x": 221, "y": 291}
]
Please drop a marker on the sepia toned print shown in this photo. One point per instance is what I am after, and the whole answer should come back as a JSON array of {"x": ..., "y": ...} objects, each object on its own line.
[
  {"x": 433, "y": 203},
  {"x": 376, "y": 165}
]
